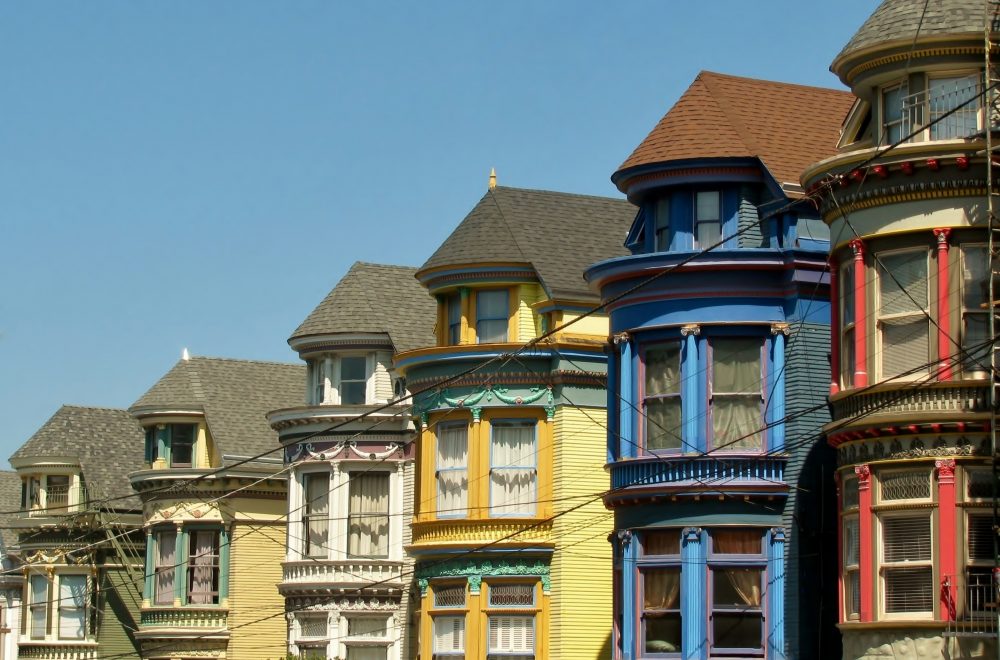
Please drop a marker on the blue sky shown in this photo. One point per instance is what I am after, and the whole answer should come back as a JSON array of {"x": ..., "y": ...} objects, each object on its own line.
[{"x": 200, "y": 175}]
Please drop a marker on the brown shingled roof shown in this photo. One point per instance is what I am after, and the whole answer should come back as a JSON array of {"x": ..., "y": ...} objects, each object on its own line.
[{"x": 786, "y": 126}]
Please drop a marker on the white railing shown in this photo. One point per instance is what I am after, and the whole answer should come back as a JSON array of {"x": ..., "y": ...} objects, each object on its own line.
[
  {"x": 353, "y": 572},
  {"x": 928, "y": 109}
]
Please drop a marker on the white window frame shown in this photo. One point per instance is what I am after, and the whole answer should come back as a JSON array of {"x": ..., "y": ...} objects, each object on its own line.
[
  {"x": 61, "y": 605},
  {"x": 454, "y": 615},
  {"x": 305, "y": 642},
  {"x": 880, "y": 317},
  {"x": 850, "y": 572},
  {"x": 319, "y": 385},
  {"x": 384, "y": 641},
  {"x": 393, "y": 505},
  {"x": 707, "y": 221},
  {"x": 304, "y": 515},
  {"x": 970, "y": 368},
  {"x": 34, "y": 605},
  {"x": 885, "y": 127}
]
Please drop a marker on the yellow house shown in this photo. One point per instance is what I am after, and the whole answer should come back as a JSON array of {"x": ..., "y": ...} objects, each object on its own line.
[
  {"x": 509, "y": 533},
  {"x": 214, "y": 522}
]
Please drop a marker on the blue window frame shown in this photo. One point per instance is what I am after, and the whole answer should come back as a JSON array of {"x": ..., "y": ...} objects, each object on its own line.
[
  {"x": 707, "y": 218},
  {"x": 737, "y": 567},
  {"x": 662, "y": 408},
  {"x": 736, "y": 393},
  {"x": 513, "y": 467},
  {"x": 492, "y": 314},
  {"x": 661, "y": 225},
  {"x": 660, "y": 593}
]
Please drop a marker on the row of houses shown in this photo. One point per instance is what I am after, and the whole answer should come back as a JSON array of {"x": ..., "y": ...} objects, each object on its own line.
[{"x": 742, "y": 412}]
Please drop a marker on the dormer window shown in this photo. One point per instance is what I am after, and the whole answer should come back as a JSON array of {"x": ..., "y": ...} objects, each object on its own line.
[
  {"x": 49, "y": 494},
  {"x": 492, "y": 312},
  {"x": 662, "y": 225},
  {"x": 353, "y": 380},
  {"x": 341, "y": 379},
  {"x": 171, "y": 443},
  {"x": 708, "y": 218}
]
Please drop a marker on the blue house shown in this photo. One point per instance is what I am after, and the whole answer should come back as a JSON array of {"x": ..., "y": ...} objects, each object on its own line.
[{"x": 719, "y": 377}]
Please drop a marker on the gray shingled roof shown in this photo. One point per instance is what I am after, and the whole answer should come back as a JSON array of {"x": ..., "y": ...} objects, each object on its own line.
[
  {"x": 108, "y": 442},
  {"x": 897, "y": 20},
  {"x": 374, "y": 298},
  {"x": 10, "y": 500},
  {"x": 234, "y": 395},
  {"x": 559, "y": 234}
]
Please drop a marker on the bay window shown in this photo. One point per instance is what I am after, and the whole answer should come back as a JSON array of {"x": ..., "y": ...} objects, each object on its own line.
[
  {"x": 186, "y": 565},
  {"x": 510, "y": 633},
  {"x": 492, "y": 314},
  {"x": 975, "y": 319},
  {"x": 901, "y": 314},
  {"x": 847, "y": 328},
  {"x": 368, "y": 638},
  {"x": 203, "y": 567},
  {"x": 736, "y": 568},
  {"x": 452, "y": 472},
  {"x": 173, "y": 443},
  {"x": 368, "y": 515},
  {"x": 707, "y": 218},
  {"x": 737, "y": 393},
  {"x": 353, "y": 382},
  {"x": 660, "y": 584},
  {"x": 906, "y": 570},
  {"x": 661, "y": 403},
  {"x": 38, "y": 606},
  {"x": 513, "y": 473},
  {"x": 316, "y": 517},
  {"x": 164, "y": 568},
  {"x": 61, "y": 613},
  {"x": 448, "y": 618}
]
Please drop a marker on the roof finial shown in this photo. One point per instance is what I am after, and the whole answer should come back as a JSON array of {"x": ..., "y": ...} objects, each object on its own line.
[
  {"x": 493, "y": 178},
  {"x": 185, "y": 355}
]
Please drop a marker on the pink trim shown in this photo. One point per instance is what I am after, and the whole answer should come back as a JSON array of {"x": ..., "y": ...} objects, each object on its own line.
[
  {"x": 860, "y": 316},
  {"x": 943, "y": 305},
  {"x": 948, "y": 567},
  {"x": 834, "y": 330},
  {"x": 865, "y": 540}
]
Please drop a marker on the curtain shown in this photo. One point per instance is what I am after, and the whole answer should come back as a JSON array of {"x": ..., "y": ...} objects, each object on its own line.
[
  {"x": 662, "y": 370},
  {"x": 317, "y": 510},
  {"x": 203, "y": 568},
  {"x": 736, "y": 542},
  {"x": 663, "y": 424},
  {"x": 452, "y": 466},
  {"x": 166, "y": 546},
  {"x": 39, "y": 605},
  {"x": 512, "y": 473},
  {"x": 661, "y": 588},
  {"x": 736, "y": 388},
  {"x": 905, "y": 346},
  {"x": 72, "y": 606},
  {"x": 492, "y": 312},
  {"x": 746, "y": 583},
  {"x": 369, "y": 515}
]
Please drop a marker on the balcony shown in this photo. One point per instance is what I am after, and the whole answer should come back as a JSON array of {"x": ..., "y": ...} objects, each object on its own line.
[
  {"x": 318, "y": 574},
  {"x": 60, "y": 500},
  {"x": 909, "y": 402},
  {"x": 464, "y": 532},
  {"x": 928, "y": 108},
  {"x": 77, "y": 650},
  {"x": 157, "y": 621},
  {"x": 718, "y": 471},
  {"x": 977, "y": 614}
]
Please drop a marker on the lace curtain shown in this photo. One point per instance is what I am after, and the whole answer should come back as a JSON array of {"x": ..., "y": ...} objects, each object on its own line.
[
  {"x": 166, "y": 547},
  {"x": 512, "y": 473},
  {"x": 317, "y": 513},
  {"x": 72, "y": 606},
  {"x": 745, "y": 582},
  {"x": 736, "y": 388},
  {"x": 663, "y": 413},
  {"x": 452, "y": 466},
  {"x": 661, "y": 589},
  {"x": 369, "y": 515},
  {"x": 203, "y": 567}
]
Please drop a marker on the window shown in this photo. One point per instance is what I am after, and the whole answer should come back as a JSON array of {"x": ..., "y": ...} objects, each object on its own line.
[
  {"x": 736, "y": 394},
  {"x": 449, "y": 596},
  {"x": 847, "y": 326},
  {"x": 893, "y": 129},
  {"x": 662, "y": 398},
  {"x": 455, "y": 320},
  {"x": 958, "y": 95},
  {"x": 164, "y": 570},
  {"x": 38, "y": 606},
  {"x": 660, "y": 583},
  {"x": 903, "y": 329},
  {"x": 363, "y": 633},
  {"x": 905, "y": 485},
  {"x": 852, "y": 566},
  {"x": 708, "y": 218},
  {"x": 313, "y": 634},
  {"x": 203, "y": 567},
  {"x": 980, "y": 589},
  {"x": 316, "y": 519},
  {"x": 510, "y": 635},
  {"x": 736, "y": 583},
  {"x": 975, "y": 300},
  {"x": 353, "y": 380},
  {"x": 72, "y": 606},
  {"x": 368, "y": 515},
  {"x": 57, "y": 493},
  {"x": 318, "y": 381},
  {"x": 907, "y": 575},
  {"x": 978, "y": 484},
  {"x": 449, "y": 636},
  {"x": 452, "y": 470},
  {"x": 513, "y": 476},
  {"x": 662, "y": 232},
  {"x": 176, "y": 441},
  {"x": 492, "y": 312}
]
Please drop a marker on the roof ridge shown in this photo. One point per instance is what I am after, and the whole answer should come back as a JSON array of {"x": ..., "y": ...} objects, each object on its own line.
[
  {"x": 721, "y": 100},
  {"x": 767, "y": 81},
  {"x": 372, "y": 263},
  {"x": 78, "y": 406},
  {"x": 212, "y": 358},
  {"x": 563, "y": 193},
  {"x": 503, "y": 217}
]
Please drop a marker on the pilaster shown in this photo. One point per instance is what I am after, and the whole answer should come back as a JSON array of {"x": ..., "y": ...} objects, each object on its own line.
[
  {"x": 943, "y": 305},
  {"x": 626, "y": 403},
  {"x": 690, "y": 414},
  {"x": 865, "y": 564},
  {"x": 775, "y": 411},
  {"x": 776, "y": 594},
  {"x": 860, "y": 315},
  {"x": 694, "y": 599},
  {"x": 948, "y": 568},
  {"x": 834, "y": 327},
  {"x": 630, "y": 624}
]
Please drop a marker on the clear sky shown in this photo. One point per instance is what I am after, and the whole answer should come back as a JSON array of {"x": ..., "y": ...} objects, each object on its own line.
[{"x": 200, "y": 174}]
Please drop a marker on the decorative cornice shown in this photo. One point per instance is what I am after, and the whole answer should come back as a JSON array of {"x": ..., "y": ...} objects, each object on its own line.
[
  {"x": 898, "y": 194},
  {"x": 864, "y": 473},
  {"x": 690, "y": 329},
  {"x": 945, "y": 470},
  {"x": 297, "y": 452},
  {"x": 475, "y": 571},
  {"x": 440, "y": 400},
  {"x": 938, "y": 53}
]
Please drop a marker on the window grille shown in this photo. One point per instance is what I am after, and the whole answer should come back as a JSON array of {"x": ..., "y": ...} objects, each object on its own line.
[
  {"x": 849, "y": 491},
  {"x": 980, "y": 593},
  {"x": 449, "y": 596},
  {"x": 909, "y": 590},
  {"x": 980, "y": 531},
  {"x": 449, "y": 636},
  {"x": 978, "y": 484},
  {"x": 905, "y": 485},
  {"x": 512, "y": 595},
  {"x": 512, "y": 635},
  {"x": 312, "y": 625},
  {"x": 852, "y": 565}
]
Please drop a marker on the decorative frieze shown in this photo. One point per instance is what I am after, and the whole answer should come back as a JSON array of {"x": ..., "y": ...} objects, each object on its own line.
[
  {"x": 879, "y": 449},
  {"x": 475, "y": 570}
]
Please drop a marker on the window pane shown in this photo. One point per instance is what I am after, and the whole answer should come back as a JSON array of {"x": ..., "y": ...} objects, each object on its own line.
[
  {"x": 181, "y": 441},
  {"x": 664, "y": 424},
  {"x": 902, "y": 283},
  {"x": 512, "y": 595},
  {"x": 166, "y": 550},
  {"x": 316, "y": 518},
  {"x": 368, "y": 627},
  {"x": 736, "y": 366},
  {"x": 449, "y": 635},
  {"x": 662, "y": 224},
  {"x": 737, "y": 630},
  {"x": 979, "y": 484},
  {"x": 491, "y": 332},
  {"x": 975, "y": 288},
  {"x": 203, "y": 567},
  {"x": 947, "y": 94},
  {"x": 707, "y": 205},
  {"x": 662, "y": 370},
  {"x": 352, "y": 393},
  {"x": 736, "y": 587},
  {"x": 57, "y": 491},
  {"x": 312, "y": 625},
  {"x": 736, "y": 422},
  {"x": 368, "y": 518},
  {"x": 39, "y": 585},
  {"x": 491, "y": 316},
  {"x": 661, "y": 543},
  {"x": 312, "y": 652},
  {"x": 709, "y": 233},
  {"x": 850, "y": 492},
  {"x": 353, "y": 368},
  {"x": 662, "y": 632},
  {"x": 449, "y": 596},
  {"x": 661, "y": 588},
  {"x": 852, "y": 592},
  {"x": 454, "y": 320},
  {"x": 512, "y": 468},
  {"x": 909, "y": 589},
  {"x": 452, "y": 475},
  {"x": 736, "y": 542},
  {"x": 905, "y": 346},
  {"x": 847, "y": 359},
  {"x": 906, "y": 538},
  {"x": 847, "y": 295},
  {"x": 366, "y": 653},
  {"x": 980, "y": 532},
  {"x": 905, "y": 485},
  {"x": 852, "y": 542},
  {"x": 511, "y": 634}
]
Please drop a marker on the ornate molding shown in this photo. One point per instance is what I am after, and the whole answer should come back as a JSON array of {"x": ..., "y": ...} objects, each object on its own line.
[
  {"x": 778, "y": 535},
  {"x": 620, "y": 338},
  {"x": 898, "y": 449},
  {"x": 780, "y": 329},
  {"x": 352, "y": 446},
  {"x": 691, "y": 535},
  {"x": 690, "y": 329},
  {"x": 440, "y": 399},
  {"x": 945, "y": 468},
  {"x": 858, "y": 248},
  {"x": 474, "y": 571},
  {"x": 864, "y": 473}
]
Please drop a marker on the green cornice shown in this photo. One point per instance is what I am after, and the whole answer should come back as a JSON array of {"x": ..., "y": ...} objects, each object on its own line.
[
  {"x": 474, "y": 571},
  {"x": 440, "y": 399}
]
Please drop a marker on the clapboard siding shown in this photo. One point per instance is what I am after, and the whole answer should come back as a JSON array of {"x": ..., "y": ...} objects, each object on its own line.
[
  {"x": 119, "y": 605},
  {"x": 255, "y": 570}
]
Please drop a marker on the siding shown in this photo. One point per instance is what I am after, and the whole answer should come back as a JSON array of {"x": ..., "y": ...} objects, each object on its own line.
[
  {"x": 810, "y": 515},
  {"x": 528, "y": 326},
  {"x": 254, "y": 572},
  {"x": 409, "y": 613},
  {"x": 581, "y": 573},
  {"x": 748, "y": 219},
  {"x": 118, "y": 612},
  {"x": 383, "y": 382}
]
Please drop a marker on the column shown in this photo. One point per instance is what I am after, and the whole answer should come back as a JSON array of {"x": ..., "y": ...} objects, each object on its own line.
[
  {"x": 149, "y": 569},
  {"x": 834, "y": 327},
  {"x": 630, "y": 591},
  {"x": 463, "y": 297},
  {"x": 948, "y": 567},
  {"x": 776, "y": 595},
  {"x": 943, "y": 306},
  {"x": 776, "y": 405},
  {"x": 860, "y": 315},
  {"x": 613, "y": 388},
  {"x": 694, "y": 601},
  {"x": 865, "y": 523},
  {"x": 626, "y": 378},
  {"x": 690, "y": 410},
  {"x": 224, "y": 553},
  {"x": 180, "y": 565},
  {"x": 839, "y": 485}
]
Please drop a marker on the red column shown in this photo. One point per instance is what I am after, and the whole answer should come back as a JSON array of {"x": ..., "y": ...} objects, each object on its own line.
[
  {"x": 860, "y": 316},
  {"x": 943, "y": 305},
  {"x": 840, "y": 545},
  {"x": 947, "y": 561},
  {"x": 865, "y": 564},
  {"x": 834, "y": 328}
]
